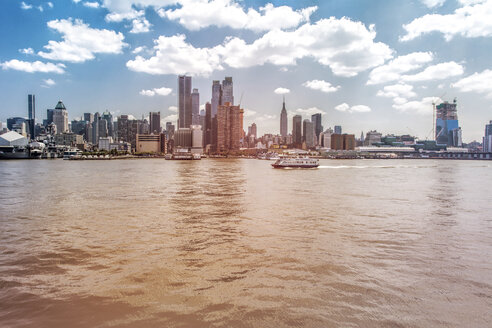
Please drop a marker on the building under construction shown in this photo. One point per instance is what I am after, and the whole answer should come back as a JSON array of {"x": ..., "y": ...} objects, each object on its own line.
[{"x": 448, "y": 131}]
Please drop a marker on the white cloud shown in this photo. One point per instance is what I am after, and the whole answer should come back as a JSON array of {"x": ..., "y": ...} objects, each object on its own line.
[
  {"x": 173, "y": 109},
  {"x": 26, "y": 51},
  {"x": 81, "y": 42},
  {"x": 119, "y": 17},
  {"x": 433, "y": 3},
  {"x": 195, "y": 15},
  {"x": 33, "y": 67},
  {"x": 393, "y": 70},
  {"x": 48, "y": 83},
  {"x": 170, "y": 118},
  {"x": 76, "y": 1},
  {"x": 265, "y": 117},
  {"x": 174, "y": 56},
  {"x": 50, "y": 4},
  {"x": 421, "y": 107},
  {"x": 471, "y": 21},
  {"x": 397, "y": 90},
  {"x": 140, "y": 25},
  {"x": 477, "y": 82},
  {"x": 25, "y": 6},
  {"x": 321, "y": 85},
  {"x": 281, "y": 91},
  {"x": 345, "y": 46},
  {"x": 40, "y": 8},
  {"x": 309, "y": 111},
  {"x": 436, "y": 72},
  {"x": 249, "y": 113},
  {"x": 92, "y": 4},
  {"x": 138, "y": 50},
  {"x": 344, "y": 107},
  {"x": 156, "y": 91}
]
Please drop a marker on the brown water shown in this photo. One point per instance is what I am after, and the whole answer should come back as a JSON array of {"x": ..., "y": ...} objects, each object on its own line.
[{"x": 235, "y": 243}]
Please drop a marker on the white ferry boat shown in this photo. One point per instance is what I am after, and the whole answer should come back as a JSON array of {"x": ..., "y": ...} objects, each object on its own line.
[
  {"x": 296, "y": 163},
  {"x": 72, "y": 154}
]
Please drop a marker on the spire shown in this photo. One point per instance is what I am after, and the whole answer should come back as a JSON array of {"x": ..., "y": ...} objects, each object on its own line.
[{"x": 283, "y": 106}]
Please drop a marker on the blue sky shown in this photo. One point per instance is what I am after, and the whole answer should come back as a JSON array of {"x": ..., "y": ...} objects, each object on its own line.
[{"x": 364, "y": 64}]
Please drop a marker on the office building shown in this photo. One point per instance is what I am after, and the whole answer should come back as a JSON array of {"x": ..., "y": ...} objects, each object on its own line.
[
  {"x": 89, "y": 117},
  {"x": 228, "y": 127},
  {"x": 183, "y": 138},
  {"x": 207, "y": 127},
  {"x": 195, "y": 107},
  {"x": 342, "y": 141},
  {"x": 308, "y": 133},
  {"x": 151, "y": 143},
  {"x": 372, "y": 137},
  {"x": 196, "y": 139},
  {"x": 318, "y": 127},
  {"x": 155, "y": 122},
  {"x": 227, "y": 91},
  {"x": 487, "y": 139},
  {"x": 252, "y": 130},
  {"x": 31, "y": 110},
  {"x": 448, "y": 131},
  {"x": 60, "y": 117},
  {"x": 184, "y": 101},
  {"x": 326, "y": 138},
  {"x": 297, "y": 130},
  {"x": 283, "y": 120},
  {"x": 216, "y": 97},
  {"x": 337, "y": 129}
]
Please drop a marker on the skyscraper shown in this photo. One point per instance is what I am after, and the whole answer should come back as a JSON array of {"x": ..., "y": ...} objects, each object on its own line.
[
  {"x": 155, "y": 122},
  {"x": 487, "y": 139},
  {"x": 60, "y": 117},
  {"x": 448, "y": 131},
  {"x": 184, "y": 101},
  {"x": 227, "y": 91},
  {"x": 228, "y": 127},
  {"x": 297, "y": 130},
  {"x": 208, "y": 124},
  {"x": 318, "y": 128},
  {"x": 31, "y": 109},
  {"x": 308, "y": 133},
  {"x": 338, "y": 129},
  {"x": 195, "y": 107},
  {"x": 216, "y": 97},
  {"x": 254, "y": 130},
  {"x": 283, "y": 120}
]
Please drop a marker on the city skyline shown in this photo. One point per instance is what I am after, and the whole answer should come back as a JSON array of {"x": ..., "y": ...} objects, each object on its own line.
[{"x": 407, "y": 60}]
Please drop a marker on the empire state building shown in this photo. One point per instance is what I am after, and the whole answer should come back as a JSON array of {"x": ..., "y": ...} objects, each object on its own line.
[{"x": 283, "y": 121}]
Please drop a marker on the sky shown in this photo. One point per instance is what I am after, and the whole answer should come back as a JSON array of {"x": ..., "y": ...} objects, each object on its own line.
[{"x": 365, "y": 65}]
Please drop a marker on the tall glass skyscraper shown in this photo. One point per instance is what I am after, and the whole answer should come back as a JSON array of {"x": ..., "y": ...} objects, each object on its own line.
[
  {"x": 31, "y": 109},
  {"x": 184, "y": 101}
]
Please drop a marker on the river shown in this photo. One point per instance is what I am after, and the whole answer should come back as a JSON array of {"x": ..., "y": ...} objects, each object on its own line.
[{"x": 236, "y": 243}]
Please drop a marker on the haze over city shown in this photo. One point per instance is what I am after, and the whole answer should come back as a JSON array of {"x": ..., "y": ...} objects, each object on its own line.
[{"x": 361, "y": 66}]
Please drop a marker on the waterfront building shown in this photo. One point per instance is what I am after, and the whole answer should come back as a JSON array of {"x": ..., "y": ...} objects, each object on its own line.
[
  {"x": 184, "y": 101},
  {"x": 487, "y": 139},
  {"x": 195, "y": 107},
  {"x": 183, "y": 138},
  {"x": 13, "y": 139},
  {"x": 228, "y": 127},
  {"x": 338, "y": 129},
  {"x": 326, "y": 140},
  {"x": 227, "y": 91},
  {"x": 196, "y": 139},
  {"x": 372, "y": 137},
  {"x": 68, "y": 139},
  {"x": 283, "y": 120},
  {"x": 155, "y": 122},
  {"x": 318, "y": 127},
  {"x": 105, "y": 143},
  {"x": 308, "y": 133},
  {"x": 60, "y": 117},
  {"x": 342, "y": 141},
  {"x": 297, "y": 130},
  {"x": 151, "y": 143},
  {"x": 13, "y": 121},
  {"x": 31, "y": 110},
  {"x": 448, "y": 131}
]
